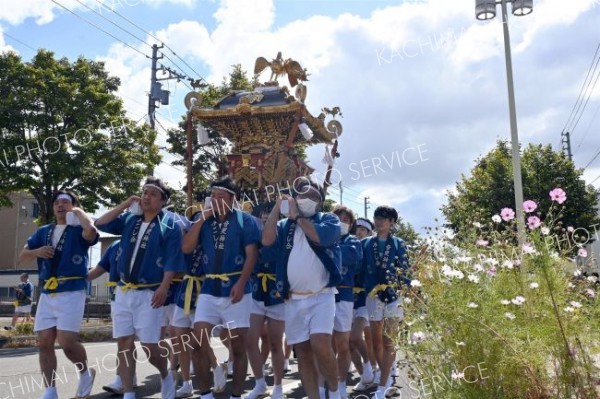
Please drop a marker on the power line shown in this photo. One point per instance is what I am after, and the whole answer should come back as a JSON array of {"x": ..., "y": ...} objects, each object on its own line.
[
  {"x": 588, "y": 98},
  {"x": 589, "y": 126},
  {"x": 592, "y": 160},
  {"x": 351, "y": 190},
  {"x": 19, "y": 41},
  {"x": 583, "y": 89},
  {"x": 99, "y": 28},
  {"x": 173, "y": 166},
  {"x": 113, "y": 23},
  {"x": 155, "y": 38},
  {"x": 136, "y": 37}
]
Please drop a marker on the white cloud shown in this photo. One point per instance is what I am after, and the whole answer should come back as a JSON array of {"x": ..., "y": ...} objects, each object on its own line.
[
  {"x": 423, "y": 73},
  {"x": 3, "y": 46},
  {"x": 44, "y": 11}
]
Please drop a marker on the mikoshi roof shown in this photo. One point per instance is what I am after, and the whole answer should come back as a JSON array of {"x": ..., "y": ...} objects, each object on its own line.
[{"x": 265, "y": 116}]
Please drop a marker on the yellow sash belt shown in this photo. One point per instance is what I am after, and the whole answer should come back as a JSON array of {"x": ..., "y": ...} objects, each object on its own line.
[
  {"x": 223, "y": 277},
  {"x": 357, "y": 290},
  {"x": 189, "y": 289},
  {"x": 52, "y": 282},
  {"x": 265, "y": 279},
  {"x": 378, "y": 288},
  {"x": 131, "y": 286}
]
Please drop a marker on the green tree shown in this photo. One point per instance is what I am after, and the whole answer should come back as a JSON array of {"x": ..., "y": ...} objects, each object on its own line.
[
  {"x": 406, "y": 232},
  {"x": 328, "y": 205},
  {"x": 209, "y": 159},
  {"x": 63, "y": 127},
  {"x": 490, "y": 188}
]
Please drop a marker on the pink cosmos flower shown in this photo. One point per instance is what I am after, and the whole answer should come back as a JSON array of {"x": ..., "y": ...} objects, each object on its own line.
[
  {"x": 558, "y": 195},
  {"x": 533, "y": 222},
  {"x": 482, "y": 243},
  {"x": 507, "y": 214},
  {"x": 582, "y": 252},
  {"x": 570, "y": 229},
  {"x": 528, "y": 248},
  {"x": 529, "y": 206}
]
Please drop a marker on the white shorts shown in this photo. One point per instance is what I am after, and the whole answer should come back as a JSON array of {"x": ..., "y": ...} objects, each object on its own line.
[
  {"x": 361, "y": 312},
  {"x": 63, "y": 310},
  {"x": 133, "y": 315},
  {"x": 219, "y": 311},
  {"x": 23, "y": 309},
  {"x": 379, "y": 310},
  {"x": 169, "y": 312},
  {"x": 310, "y": 315},
  {"x": 343, "y": 316},
  {"x": 275, "y": 312},
  {"x": 182, "y": 320}
]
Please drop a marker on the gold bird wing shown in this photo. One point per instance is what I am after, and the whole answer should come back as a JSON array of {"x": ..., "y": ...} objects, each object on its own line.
[
  {"x": 260, "y": 65},
  {"x": 295, "y": 72}
]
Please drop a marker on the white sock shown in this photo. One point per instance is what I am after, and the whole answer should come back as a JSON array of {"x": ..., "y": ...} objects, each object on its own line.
[
  {"x": 277, "y": 389},
  {"x": 51, "y": 391},
  {"x": 286, "y": 364},
  {"x": 322, "y": 392},
  {"x": 187, "y": 383},
  {"x": 261, "y": 382},
  {"x": 118, "y": 380},
  {"x": 389, "y": 382},
  {"x": 168, "y": 379},
  {"x": 342, "y": 386},
  {"x": 129, "y": 395},
  {"x": 334, "y": 394},
  {"x": 367, "y": 368}
]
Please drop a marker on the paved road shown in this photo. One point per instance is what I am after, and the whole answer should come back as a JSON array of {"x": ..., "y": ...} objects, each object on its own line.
[{"x": 20, "y": 377}]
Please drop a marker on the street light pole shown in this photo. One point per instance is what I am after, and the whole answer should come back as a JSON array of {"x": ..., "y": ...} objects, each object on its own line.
[
  {"x": 484, "y": 10},
  {"x": 514, "y": 133}
]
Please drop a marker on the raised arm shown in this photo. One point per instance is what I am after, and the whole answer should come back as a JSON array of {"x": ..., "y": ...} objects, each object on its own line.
[
  {"x": 190, "y": 239},
  {"x": 89, "y": 230},
  {"x": 269, "y": 233},
  {"x": 116, "y": 211}
]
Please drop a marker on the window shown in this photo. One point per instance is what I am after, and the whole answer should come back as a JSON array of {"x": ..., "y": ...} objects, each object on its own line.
[{"x": 35, "y": 212}]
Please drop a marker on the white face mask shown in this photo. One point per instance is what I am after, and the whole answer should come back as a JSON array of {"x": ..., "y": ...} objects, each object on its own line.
[
  {"x": 307, "y": 207},
  {"x": 345, "y": 228}
]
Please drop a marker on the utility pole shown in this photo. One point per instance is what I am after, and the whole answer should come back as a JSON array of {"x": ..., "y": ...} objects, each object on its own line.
[
  {"x": 341, "y": 193},
  {"x": 367, "y": 206},
  {"x": 565, "y": 140},
  {"x": 156, "y": 91},
  {"x": 155, "y": 87}
]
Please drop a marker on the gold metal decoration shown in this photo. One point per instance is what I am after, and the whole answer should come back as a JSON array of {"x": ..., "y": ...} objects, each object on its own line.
[
  {"x": 301, "y": 92},
  {"x": 193, "y": 99},
  {"x": 252, "y": 98},
  {"x": 263, "y": 127},
  {"x": 280, "y": 67}
]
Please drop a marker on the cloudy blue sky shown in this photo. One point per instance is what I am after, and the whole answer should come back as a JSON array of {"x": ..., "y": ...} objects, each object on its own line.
[{"x": 421, "y": 84}]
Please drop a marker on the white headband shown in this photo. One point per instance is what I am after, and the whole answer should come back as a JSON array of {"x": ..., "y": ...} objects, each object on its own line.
[
  {"x": 64, "y": 197},
  {"x": 224, "y": 189},
  {"x": 364, "y": 223},
  {"x": 154, "y": 186}
]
